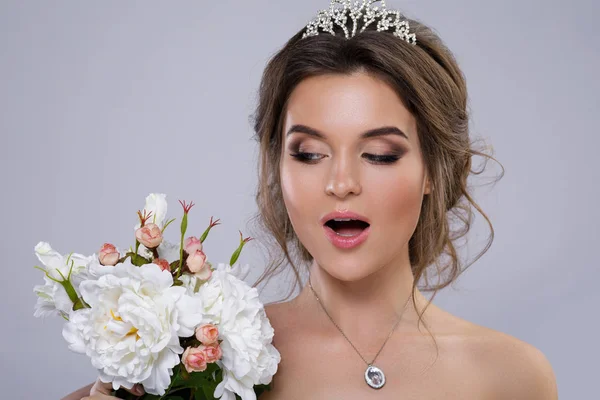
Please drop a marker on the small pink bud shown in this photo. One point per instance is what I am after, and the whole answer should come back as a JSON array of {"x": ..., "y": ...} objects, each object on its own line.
[
  {"x": 205, "y": 273},
  {"x": 108, "y": 255},
  {"x": 194, "y": 359},
  {"x": 149, "y": 235},
  {"x": 196, "y": 261},
  {"x": 207, "y": 334},
  {"x": 192, "y": 244},
  {"x": 163, "y": 264},
  {"x": 212, "y": 352}
]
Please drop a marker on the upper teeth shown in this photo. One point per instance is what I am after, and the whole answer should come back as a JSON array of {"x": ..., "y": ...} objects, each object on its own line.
[{"x": 343, "y": 219}]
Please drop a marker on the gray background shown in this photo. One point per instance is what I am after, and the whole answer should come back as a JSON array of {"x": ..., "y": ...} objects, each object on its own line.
[{"x": 103, "y": 102}]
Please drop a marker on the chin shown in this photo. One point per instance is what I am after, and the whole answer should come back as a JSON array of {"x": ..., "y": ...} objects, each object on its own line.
[{"x": 351, "y": 271}]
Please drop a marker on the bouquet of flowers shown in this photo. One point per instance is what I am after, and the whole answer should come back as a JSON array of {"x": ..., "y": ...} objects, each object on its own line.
[{"x": 161, "y": 315}]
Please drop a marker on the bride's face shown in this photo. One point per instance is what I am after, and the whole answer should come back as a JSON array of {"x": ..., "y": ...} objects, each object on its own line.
[{"x": 380, "y": 177}]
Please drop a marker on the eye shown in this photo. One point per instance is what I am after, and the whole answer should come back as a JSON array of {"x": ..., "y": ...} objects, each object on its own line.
[
  {"x": 382, "y": 159},
  {"x": 309, "y": 158}
]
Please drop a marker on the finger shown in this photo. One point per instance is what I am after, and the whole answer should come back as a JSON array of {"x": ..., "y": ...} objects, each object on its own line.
[
  {"x": 136, "y": 389},
  {"x": 106, "y": 388},
  {"x": 101, "y": 387},
  {"x": 99, "y": 396}
]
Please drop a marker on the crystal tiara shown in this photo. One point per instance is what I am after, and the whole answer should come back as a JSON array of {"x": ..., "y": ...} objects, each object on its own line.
[{"x": 340, "y": 10}]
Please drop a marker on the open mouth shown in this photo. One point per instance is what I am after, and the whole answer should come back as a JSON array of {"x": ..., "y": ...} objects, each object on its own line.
[{"x": 347, "y": 227}]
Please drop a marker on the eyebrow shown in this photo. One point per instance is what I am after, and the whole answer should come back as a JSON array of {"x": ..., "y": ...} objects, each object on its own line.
[{"x": 383, "y": 131}]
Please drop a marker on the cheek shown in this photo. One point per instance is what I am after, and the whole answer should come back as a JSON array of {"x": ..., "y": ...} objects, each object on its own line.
[
  {"x": 299, "y": 186},
  {"x": 395, "y": 199}
]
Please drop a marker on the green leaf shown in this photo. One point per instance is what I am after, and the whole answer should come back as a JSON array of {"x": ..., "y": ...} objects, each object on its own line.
[
  {"x": 259, "y": 389},
  {"x": 210, "y": 368},
  {"x": 197, "y": 380},
  {"x": 180, "y": 381},
  {"x": 198, "y": 395},
  {"x": 80, "y": 303},
  {"x": 124, "y": 394},
  {"x": 209, "y": 390},
  {"x": 174, "y": 265},
  {"x": 138, "y": 260}
]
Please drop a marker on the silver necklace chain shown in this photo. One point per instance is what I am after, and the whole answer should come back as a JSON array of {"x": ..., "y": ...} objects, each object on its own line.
[{"x": 346, "y": 337}]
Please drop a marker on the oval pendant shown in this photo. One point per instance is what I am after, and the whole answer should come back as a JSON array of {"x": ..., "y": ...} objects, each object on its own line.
[{"x": 374, "y": 377}]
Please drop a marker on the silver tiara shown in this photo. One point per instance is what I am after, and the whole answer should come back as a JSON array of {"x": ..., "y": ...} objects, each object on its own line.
[{"x": 340, "y": 10}]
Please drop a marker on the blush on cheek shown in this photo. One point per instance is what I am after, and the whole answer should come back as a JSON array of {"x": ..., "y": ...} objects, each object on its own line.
[
  {"x": 400, "y": 204},
  {"x": 304, "y": 200}
]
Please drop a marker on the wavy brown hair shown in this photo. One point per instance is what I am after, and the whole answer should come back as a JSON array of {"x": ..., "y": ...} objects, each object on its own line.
[{"x": 427, "y": 78}]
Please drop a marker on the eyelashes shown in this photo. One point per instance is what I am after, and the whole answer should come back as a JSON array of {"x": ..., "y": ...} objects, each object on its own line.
[{"x": 313, "y": 158}]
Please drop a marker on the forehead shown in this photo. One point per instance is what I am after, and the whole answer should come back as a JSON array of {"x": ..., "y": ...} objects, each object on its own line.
[{"x": 341, "y": 104}]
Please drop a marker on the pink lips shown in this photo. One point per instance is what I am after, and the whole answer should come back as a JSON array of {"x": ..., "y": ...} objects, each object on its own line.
[
  {"x": 345, "y": 242},
  {"x": 343, "y": 214}
]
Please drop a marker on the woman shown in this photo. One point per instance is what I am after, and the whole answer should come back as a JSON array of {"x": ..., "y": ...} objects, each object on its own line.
[{"x": 365, "y": 155}]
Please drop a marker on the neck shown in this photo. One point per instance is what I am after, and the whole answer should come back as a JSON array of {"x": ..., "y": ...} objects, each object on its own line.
[{"x": 369, "y": 306}]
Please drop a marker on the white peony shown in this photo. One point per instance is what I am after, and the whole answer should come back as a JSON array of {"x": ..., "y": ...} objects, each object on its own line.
[
  {"x": 248, "y": 358},
  {"x": 52, "y": 296},
  {"x": 131, "y": 332}
]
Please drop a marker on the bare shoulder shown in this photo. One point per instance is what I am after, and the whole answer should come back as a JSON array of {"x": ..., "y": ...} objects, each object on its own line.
[
  {"x": 273, "y": 310},
  {"x": 279, "y": 315},
  {"x": 512, "y": 368},
  {"x": 286, "y": 322}
]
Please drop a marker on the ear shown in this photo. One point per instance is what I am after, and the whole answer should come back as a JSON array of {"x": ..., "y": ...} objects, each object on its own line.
[{"x": 427, "y": 188}]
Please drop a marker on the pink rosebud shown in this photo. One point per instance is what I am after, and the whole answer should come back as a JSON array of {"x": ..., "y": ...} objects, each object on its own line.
[
  {"x": 149, "y": 235},
  {"x": 192, "y": 244},
  {"x": 207, "y": 334},
  {"x": 108, "y": 255},
  {"x": 194, "y": 359},
  {"x": 163, "y": 264},
  {"x": 205, "y": 273},
  {"x": 212, "y": 352},
  {"x": 196, "y": 260}
]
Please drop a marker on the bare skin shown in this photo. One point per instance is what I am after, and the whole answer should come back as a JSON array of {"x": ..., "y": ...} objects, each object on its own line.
[{"x": 473, "y": 362}]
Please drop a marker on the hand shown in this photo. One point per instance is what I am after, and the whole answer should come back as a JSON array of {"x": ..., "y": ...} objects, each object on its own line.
[{"x": 102, "y": 391}]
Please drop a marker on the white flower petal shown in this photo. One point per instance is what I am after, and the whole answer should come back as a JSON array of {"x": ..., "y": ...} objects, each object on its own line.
[
  {"x": 52, "y": 296},
  {"x": 130, "y": 331},
  {"x": 168, "y": 251},
  {"x": 157, "y": 204}
]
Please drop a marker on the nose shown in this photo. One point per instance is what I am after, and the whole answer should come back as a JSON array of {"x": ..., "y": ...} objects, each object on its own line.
[{"x": 343, "y": 180}]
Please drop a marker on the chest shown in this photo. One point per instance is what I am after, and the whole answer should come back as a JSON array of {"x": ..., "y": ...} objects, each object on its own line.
[{"x": 414, "y": 369}]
